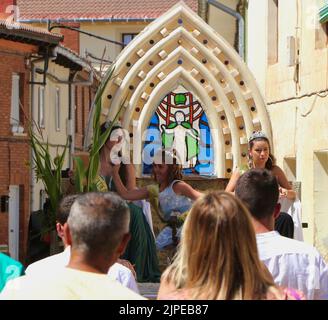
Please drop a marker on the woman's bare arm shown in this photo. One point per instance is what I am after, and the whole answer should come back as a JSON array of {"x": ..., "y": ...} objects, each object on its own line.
[
  {"x": 136, "y": 194},
  {"x": 186, "y": 190},
  {"x": 286, "y": 190},
  {"x": 130, "y": 175},
  {"x": 233, "y": 181}
]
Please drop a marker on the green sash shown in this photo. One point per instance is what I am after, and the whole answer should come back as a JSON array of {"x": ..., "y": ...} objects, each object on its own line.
[{"x": 101, "y": 184}]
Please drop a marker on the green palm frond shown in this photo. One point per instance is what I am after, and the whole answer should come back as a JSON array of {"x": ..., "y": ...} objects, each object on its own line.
[
  {"x": 86, "y": 177},
  {"x": 47, "y": 170},
  {"x": 79, "y": 174}
]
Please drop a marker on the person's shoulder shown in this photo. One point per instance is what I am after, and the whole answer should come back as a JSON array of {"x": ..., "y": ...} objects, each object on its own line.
[
  {"x": 12, "y": 288},
  {"x": 39, "y": 263},
  {"x": 117, "y": 291},
  {"x": 118, "y": 269},
  {"x": 178, "y": 184},
  {"x": 46, "y": 264},
  {"x": 6, "y": 260},
  {"x": 276, "y": 170},
  {"x": 9, "y": 270},
  {"x": 180, "y": 187},
  {"x": 167, "y": 288},
  {"x": 282, "y": 293},
  {"x": 25, "y": 288},
  {"x": 101, "y": 286},
  {"x": 296, "y": 246}
]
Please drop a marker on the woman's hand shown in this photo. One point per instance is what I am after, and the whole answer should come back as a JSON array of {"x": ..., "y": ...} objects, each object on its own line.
[{"x": 283, "y": 193}]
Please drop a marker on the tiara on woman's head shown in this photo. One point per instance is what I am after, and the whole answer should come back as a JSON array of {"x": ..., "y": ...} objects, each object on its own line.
[
  {"x": 107, "y": 124},
  {"x": 256, "y": 135}
]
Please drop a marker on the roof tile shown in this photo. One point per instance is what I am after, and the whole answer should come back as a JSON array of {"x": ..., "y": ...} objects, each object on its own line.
[
  {"x": 5, "y": 24},
  {"x": 96, "y": 9}
]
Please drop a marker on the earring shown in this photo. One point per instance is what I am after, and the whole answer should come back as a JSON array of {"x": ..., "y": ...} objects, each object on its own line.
[{"x": 250, "y": 161}]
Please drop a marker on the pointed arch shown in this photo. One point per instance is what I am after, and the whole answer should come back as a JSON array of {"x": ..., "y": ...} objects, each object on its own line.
[
  {"x": 181, "y": 76},
  {"x": 179, "y": 47}
]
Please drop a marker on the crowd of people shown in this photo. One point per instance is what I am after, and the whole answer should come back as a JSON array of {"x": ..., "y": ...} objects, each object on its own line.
[{"x": 230, "y": 244}]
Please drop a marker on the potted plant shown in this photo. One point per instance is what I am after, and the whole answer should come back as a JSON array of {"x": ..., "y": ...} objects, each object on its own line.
[{"x": 49, "y": 170}]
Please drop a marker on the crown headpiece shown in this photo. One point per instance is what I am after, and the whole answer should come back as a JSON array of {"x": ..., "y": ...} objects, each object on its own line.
[
  {"x": 256, "y": 135},
  {"x": 107, "y": 124}
]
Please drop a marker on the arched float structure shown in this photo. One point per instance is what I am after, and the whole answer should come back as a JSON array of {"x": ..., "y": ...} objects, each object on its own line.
[{"x": 180, "y": 50}]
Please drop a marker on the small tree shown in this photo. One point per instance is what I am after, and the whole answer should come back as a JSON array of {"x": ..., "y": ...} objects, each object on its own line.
[{"x": 48, "y": 170}]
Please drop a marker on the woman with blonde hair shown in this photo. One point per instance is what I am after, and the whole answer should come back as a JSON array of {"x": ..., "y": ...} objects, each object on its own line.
[{"x": 217, "y": 257}]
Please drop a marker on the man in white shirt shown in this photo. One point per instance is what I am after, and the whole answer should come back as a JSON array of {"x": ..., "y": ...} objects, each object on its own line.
[
  {"x": 116, "y": 272},
  {"x": 293, "y": 264},
  {"x": 97, "y": 231}
]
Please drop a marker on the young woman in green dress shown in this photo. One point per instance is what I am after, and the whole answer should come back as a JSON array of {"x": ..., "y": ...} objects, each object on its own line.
[{"x": 141, "y": 250}]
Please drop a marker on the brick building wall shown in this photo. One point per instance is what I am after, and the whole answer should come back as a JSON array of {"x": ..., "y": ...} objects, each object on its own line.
[
  {"x": 14, "y": 149},
  {"x": 71, "y": 38}
]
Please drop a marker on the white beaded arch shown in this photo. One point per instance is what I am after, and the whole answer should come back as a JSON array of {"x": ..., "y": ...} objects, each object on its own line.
[{"x": 180, "y": 48}]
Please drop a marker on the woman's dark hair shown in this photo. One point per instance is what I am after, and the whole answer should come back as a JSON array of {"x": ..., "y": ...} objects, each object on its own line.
[
  {"x": 175, "y": 172},
  {"x": 103, "y": 129},
  {"x": 271, "y": 162}
]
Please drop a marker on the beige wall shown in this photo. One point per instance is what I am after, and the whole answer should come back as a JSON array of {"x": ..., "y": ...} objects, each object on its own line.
[
  {"x": 49, "y": 132},
  {"x": 222, "y": 22},
  {"x": 111, "y": 31},
  {"x": 301, "y": 136},
  {"x": 256, "y": 30},
  {"x": 321, "y": 201},
  {"x": 299, "y": 125}
]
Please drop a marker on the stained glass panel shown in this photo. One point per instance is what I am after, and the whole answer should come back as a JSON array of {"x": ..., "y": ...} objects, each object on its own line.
[{"x": 180, "y": 123}]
